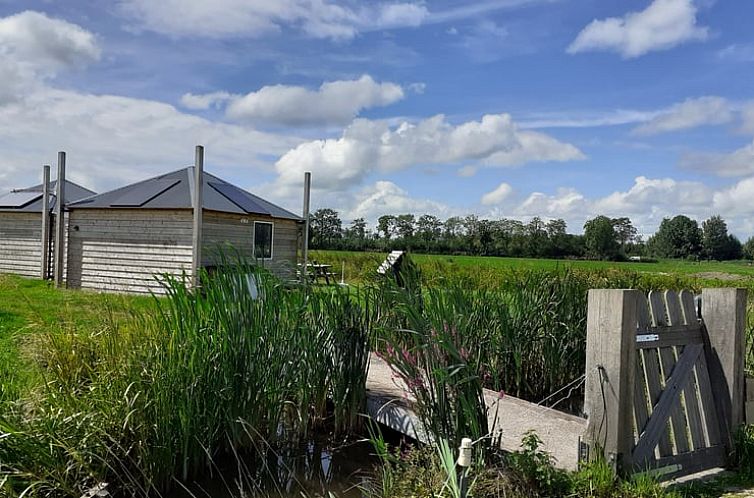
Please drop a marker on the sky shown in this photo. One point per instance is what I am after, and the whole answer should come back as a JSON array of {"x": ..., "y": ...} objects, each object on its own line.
[{"x": 500, "y": 108}]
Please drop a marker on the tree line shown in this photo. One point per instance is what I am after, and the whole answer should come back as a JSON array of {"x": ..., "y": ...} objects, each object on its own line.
[{"x": 603, "y": 237}]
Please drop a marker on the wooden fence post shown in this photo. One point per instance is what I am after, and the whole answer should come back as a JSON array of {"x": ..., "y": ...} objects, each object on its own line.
[
  {"x": 610, "y": 373},
  {"x": 724, "y": 315}
]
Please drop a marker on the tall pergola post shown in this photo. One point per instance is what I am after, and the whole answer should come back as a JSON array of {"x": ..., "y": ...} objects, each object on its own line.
[
  {"x": 305, "y": 250},
  {"x": 198, "y": 204},
  {"x": 60, "y": 222},
  {"x": 45, "y": 238}
]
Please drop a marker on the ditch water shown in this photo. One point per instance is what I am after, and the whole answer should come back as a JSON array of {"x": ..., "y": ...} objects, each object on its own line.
[{"x": 313, "y": 469}]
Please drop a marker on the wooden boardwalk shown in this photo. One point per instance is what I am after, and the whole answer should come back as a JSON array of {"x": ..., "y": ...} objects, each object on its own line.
[{"x": 389, "y": 404}]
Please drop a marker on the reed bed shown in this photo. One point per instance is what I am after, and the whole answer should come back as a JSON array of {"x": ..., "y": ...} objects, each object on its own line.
[{"x": 205, "y": 374}]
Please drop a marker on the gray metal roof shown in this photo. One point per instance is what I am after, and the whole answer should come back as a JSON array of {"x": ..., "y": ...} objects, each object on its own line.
[
  {"x": 174, "y": 191},
  {"x": 29, "y": 200}
]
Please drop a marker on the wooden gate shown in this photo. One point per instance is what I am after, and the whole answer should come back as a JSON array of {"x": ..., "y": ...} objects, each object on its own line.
[
  {"x": 676, "y": 424},
  {"x": 664, "y": 387}
]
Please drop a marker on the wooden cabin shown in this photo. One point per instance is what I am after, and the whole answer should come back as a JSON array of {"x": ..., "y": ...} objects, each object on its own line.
[
  {"x": 122, "y": 239},
  {"x": 21, "y": 228}
]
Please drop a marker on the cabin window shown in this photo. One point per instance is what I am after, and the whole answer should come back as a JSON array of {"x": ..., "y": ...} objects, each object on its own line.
[{"x": 262, "y": 240}]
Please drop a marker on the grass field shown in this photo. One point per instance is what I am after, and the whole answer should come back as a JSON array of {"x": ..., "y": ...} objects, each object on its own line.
[
  {"x": 31, "y": 305},
  {"x": 358, "y": 264}
]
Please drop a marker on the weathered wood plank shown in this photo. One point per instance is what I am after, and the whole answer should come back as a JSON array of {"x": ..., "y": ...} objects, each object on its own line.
[
  {"x": 610, "y": 372},
  {"x": 653, "y": 374},
  {"x": 689, "y": 308},
  {"x": 657, "y": 423}
]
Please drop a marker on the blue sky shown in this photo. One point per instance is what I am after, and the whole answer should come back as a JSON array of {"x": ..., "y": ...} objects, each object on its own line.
[{"x": 502, "y": 108}]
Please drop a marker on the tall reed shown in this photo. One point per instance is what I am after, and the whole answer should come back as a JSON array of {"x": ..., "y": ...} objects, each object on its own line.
[{"x": 210, "y": 372}]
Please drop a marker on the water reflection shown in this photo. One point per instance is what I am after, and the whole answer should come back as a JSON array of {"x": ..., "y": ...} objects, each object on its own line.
[{"x": 314, "y": 468}]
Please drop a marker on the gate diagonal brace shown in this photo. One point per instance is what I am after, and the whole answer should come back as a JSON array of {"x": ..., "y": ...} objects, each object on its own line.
[{"x": 643, "y": 453}]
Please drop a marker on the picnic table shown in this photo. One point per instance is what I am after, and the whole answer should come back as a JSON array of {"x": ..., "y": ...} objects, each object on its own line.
[{"x": 316, "y": 271}]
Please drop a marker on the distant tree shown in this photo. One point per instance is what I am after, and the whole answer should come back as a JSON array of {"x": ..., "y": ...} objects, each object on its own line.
[
  {"x": 600, "y": 238},
  {"x": 326, "y": 226},
  {"x": 679, "y": 237},
  {"x": 557, "y": 237},
  {"x": 747, "y": 249},
  {"x": 404, "y": 225},
  {"x": 625, "y": 231},
  {"x": 386, "y": 225},
  {"x": 556, "y": 228},
  {"x": 537, "y": 237},
  {"x": 453, "y": 227},
  {"x": 716, "y": 242},
  {"x": 428, "y": 229},
  {"x": 358, "y": 228},
  {"x": 735, "y": 248}
]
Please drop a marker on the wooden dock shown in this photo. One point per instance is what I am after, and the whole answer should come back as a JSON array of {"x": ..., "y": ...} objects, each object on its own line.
[{"x": 389, "y": 403}]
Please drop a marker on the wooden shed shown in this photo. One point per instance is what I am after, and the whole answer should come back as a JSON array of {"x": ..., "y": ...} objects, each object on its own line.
[
  {"x": 21, "y": 228},
  {"x": 119, "y": 240}
]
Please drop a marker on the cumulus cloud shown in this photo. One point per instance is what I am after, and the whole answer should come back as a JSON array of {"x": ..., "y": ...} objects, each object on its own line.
[
  {"x": 112, "y": 140},
  {"x": 740, "y": 162},
  {"x": 498, "y": 195},
  {"x": 35, "y": 38},
  {"x": 374, "y": 146},
  {"x": 384, "y": 197},
  {"x": 255, "y": 18},
  {"x": 747, "y": 118},
  {"x": 35, "y": 47},
  {"x": 646, "y": 202},
  {"x": 691, "y": 113},
  {"x": 335, "y": 102},
  {"x": 664, "y": 24},
  {"x": 565, "y": 202},
  {"x": 205, "y": 101}
]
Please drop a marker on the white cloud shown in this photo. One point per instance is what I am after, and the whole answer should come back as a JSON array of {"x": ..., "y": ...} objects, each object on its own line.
[
  {"x": 467, "y": 171},
  {"x": 35, "y": 47},
  {"x": 646, "y": 202},
  {"x": 374, "y": 146},
  {"x": 335, "y": 102},
  {"x": 112, "y": 140},
  {"x": 580, "y": 119},
  {"x": 384, "y": 197},
  {"x": 664, "y": 24},
  {"x": 740, "y": 162},
  {"x": 736, "y": 200},
  {"x": 737, "y": 52},
  {"x": 747, "y": 118},
  {"x": 498, "y": 195},
  {"x": 646, "y": 192},
  {"x": 37, "y": 39},
  {"x": 205, "y": 101},
  {"x": 691, "y": 113},
  {"x": 565, "y": 202},
  {"x": 255, "y": 18}
]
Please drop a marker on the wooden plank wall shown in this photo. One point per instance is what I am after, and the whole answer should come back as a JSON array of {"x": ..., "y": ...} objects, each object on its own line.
[
  {"x": 238, "y": 231},
  {"x": 122, "y": 250},
  {"x": 20, "y": 243}
]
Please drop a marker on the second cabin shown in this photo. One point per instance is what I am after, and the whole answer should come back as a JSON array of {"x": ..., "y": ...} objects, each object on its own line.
[{"x": 119, "y": 240}]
